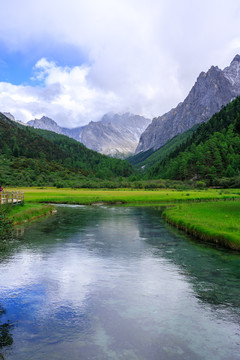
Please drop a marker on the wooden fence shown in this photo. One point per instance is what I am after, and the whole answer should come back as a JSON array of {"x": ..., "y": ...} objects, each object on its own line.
[{"x": 11, "y": 197}]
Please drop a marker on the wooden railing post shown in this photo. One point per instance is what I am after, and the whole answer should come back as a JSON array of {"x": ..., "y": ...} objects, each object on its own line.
[{"x": 14, "y": 197}]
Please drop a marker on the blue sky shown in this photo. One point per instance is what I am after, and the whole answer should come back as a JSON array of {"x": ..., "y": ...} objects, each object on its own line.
[
  {"x": 76, "y": 60},
  {"x": 17, "y": 67},
  {"x": 13, "y": 67}
]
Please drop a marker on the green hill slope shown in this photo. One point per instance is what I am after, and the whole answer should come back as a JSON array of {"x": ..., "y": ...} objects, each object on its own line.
[
  {"x": 30, "y": 156},
  {"x": 148, "y": 158},
  {"x": 212, "y": 152}
]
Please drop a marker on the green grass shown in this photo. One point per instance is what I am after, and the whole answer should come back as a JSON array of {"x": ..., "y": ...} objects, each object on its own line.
[
  {"x": 211, "y": 221},
  {"x": 125, "y": 196},
  {"x": 30, "y": 211},
  {"x": 210, "y": 214}
]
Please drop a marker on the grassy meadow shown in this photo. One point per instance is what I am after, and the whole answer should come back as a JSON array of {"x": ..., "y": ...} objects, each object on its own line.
[
  {"x": 124, "y": 196},
  {"x": 217, "y": 222}
]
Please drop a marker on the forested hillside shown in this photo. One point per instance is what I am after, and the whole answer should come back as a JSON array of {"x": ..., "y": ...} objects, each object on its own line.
[
  {"x": 36, "y": 157},
  {"x": 148, "y": 158},
  {"x": 212, "y": 152}
]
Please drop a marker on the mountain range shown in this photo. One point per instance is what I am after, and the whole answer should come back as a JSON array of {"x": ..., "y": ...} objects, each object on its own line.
[
  {"x": 212, "y": 90},
  {"x": 120, "y": 135},
  {"x": 115, "y": 134}
]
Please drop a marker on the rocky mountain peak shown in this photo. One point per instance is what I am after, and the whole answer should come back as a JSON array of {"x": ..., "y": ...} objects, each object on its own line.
[
  {"x": 9, "y": 116},
  {"x": 236, "y": 59},
  {"x": 213, "y": 69},
  {"x": 47, "y": 120},
  {"x": 12, "y": 118},
  {"x": 212, "y": 90},
  {"x": 46, "y": 123},
  {"x": 115, "y": 134},
  {"x": 232, "y": 73}
]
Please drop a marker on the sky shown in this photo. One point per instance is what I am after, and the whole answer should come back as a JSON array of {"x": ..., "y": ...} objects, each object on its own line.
[{"x": 75, "y": 60}]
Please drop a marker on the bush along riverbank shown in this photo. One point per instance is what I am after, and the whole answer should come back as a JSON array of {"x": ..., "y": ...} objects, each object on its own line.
[
  {"x": 215, "y": 222},
  {"x": 6, "y": 225}
]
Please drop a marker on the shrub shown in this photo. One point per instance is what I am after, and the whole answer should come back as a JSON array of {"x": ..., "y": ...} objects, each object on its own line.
[
  {"x": 200, "y": 184},
  {"x": 6, "y": 225}
]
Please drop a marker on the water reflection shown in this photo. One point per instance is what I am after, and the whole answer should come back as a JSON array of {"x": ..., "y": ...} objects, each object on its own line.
[
  {"x": 117, "y": 283},
  {"x": 214, "y": 273},
  {"x": 6, "y": 327}
]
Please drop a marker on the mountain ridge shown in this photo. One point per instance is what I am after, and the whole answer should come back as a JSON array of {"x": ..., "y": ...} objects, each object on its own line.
[
  {"x": 212, "y": 90},
  {"x": 211, "y": 153},
  {"x": 116, "y": 135}
]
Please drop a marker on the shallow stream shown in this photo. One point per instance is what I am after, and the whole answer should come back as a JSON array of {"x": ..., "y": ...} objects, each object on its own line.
[{"x": 117, "y": 283}]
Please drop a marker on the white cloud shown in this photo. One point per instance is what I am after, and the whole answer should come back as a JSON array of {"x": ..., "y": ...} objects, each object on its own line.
[
  {"x": 65, "y": 95},
  {"x": 140, "y": 56}
]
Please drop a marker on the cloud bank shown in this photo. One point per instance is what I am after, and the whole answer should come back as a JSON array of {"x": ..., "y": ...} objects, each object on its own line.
[{"x": 138, "y": 56}]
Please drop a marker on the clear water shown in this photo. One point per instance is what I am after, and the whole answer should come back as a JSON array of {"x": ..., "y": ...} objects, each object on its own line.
[{"x": 117, "y": 283}]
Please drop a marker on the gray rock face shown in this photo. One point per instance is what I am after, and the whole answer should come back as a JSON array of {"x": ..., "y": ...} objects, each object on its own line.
[
  {"x": 212, "y": 90},
  {"x": 11, "y": 117},
  {"x": 232, "y": 73},
  {"x": 115, "y": 135},
  {"x": 46, "y": 123}
]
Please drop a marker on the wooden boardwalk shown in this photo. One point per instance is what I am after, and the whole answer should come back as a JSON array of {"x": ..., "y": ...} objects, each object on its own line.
[{"x": 11, "y": 197}]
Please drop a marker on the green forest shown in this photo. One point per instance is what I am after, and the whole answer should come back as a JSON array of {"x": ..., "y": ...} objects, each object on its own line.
[
  {"x": 38, "y": 157},
  {"x": 148, "y": 158},
  {"x": 211, "y": 153}
]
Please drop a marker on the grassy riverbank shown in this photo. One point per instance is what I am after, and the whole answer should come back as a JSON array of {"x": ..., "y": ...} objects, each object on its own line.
[
  {"x": 211, "y": 215},
  {"x": 125, "y": 196},
  {"x": 216, "y": 222},
  {"x": 28, "y": 212}
]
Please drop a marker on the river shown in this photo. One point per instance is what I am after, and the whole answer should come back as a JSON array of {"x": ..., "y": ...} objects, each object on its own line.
[{"x": 117, "y": 283}]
